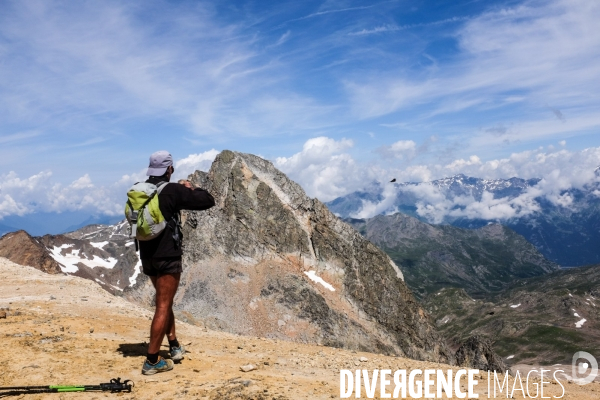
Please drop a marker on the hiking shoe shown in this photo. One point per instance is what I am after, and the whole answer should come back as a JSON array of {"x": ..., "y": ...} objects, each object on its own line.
[
  {"x": 161, "y": 366},
  {"x": 177, "y": 353}
]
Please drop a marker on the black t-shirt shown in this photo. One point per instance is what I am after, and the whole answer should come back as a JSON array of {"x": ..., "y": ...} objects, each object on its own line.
[{"x": 173, "y": 198}]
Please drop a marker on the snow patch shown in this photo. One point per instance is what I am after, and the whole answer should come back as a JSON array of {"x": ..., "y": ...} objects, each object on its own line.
[
  {"x": 92, "y": 233},
  {"x": 511, "y": 356},
  {"x": 129, "y": 244},
  {"x": 576, "y": 315},
  {"x": 109, "y": 263},
  {"x": 68, "y": 262},
  {"x": 136, "y": 271},
  {"x": 591, "y": 302},
  {"x": 580, "y": 323},
  {"x": 515, "y": 305},
  {"x": 313, "y": 277},
  {"x": 398, "y": 272},
  {"x": 99, "y": 245},
  {"x": 570, "y": 295}
]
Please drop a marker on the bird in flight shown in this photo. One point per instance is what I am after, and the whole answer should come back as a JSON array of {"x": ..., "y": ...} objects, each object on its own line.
[{"x": 393, "y": 180}]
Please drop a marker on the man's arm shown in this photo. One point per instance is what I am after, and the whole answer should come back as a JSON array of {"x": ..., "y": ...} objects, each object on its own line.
[{"x": 193, "y": 199}]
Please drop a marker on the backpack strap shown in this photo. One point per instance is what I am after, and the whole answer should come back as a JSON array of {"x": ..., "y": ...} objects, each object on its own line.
[
  {"x": 160, "y": 186},
  {"x": 177, "y": 236}
]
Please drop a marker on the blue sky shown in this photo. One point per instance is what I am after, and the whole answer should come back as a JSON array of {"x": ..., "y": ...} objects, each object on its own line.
[{"x": 335, "y": 93}]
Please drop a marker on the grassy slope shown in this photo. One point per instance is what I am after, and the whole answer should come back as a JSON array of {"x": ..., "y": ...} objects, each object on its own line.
[{"x": 542, "y": 329}]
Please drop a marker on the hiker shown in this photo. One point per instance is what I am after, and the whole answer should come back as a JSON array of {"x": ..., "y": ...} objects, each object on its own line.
[{"x": 161, "y": 257}]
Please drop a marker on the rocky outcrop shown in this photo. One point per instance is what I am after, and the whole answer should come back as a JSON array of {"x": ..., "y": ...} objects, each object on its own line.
[
  {"x": 21, "y": 248},
  {"x": 477, "y": 352},
  {"x": 269, "y": 261}
]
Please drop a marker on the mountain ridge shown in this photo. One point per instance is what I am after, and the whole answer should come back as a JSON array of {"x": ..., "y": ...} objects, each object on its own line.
[
  {"x": 567, "y": 234},
  {"x": 481, "y": 261}
]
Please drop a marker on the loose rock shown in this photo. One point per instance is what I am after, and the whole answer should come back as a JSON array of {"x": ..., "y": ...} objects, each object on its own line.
[{"x": 247, "y": 368}]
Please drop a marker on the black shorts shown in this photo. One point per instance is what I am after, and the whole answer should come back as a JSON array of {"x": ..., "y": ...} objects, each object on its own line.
[{"x": 161, "y": 266}]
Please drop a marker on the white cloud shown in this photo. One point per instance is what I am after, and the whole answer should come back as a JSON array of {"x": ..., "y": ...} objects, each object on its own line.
[
  {"x": 326, "y": 170},
  {"x": 563, "y": 167},
  {"x": 40, "y": 193},
  {"x": 378, "y": 29},
  {"x": 386, "y": 205},
  {"x": 401, "y": 149},
  {"x": 458, "y": 165},
  {"x": 318, "y": 150},
  {"x": 323, "y": 169},
  {"x": 194, "y": 162},
  {"x": 559, "y": 171},
  {"x": 8, "y": 206}
]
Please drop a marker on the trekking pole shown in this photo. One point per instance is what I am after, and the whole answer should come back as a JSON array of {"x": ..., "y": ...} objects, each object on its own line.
[{"x": 114, "y": 386}]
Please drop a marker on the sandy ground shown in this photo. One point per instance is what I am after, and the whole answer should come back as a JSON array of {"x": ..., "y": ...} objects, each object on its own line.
[{"x": 67, "y": 330}]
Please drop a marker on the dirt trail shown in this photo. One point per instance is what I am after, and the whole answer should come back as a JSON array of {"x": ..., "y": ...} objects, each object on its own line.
[{"x": 67, "y": 330}]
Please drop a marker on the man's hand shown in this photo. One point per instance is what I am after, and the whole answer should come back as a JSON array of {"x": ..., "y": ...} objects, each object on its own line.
[{"x": 185, "y": 183}]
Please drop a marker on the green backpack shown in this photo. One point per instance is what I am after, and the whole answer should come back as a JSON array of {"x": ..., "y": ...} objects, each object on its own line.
[{"x": 142, "y": 211}]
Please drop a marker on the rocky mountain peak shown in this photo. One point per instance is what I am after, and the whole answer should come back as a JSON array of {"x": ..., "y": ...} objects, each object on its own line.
[
  {"x": 269, "y": 261},
  {"x": 22, "y": 248}
]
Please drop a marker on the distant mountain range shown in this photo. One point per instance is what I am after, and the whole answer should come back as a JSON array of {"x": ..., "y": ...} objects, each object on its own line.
[
  {"x": 481, "y": 261},
  {"x": 566, "y": 232},
  {"x": 102, "y": 253}
]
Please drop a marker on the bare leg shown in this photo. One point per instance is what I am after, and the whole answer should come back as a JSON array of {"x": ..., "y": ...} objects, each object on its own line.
[
  {"x": 171, "y": 334},
  {"x": 171, "y": 327},
  {"x": 164, "y": 320}
]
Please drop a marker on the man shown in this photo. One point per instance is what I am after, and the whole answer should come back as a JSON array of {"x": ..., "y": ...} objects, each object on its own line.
[{"x": 161, "y": 258}]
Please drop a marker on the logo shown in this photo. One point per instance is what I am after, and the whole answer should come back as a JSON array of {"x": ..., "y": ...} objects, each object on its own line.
[{"x": 582, "y": 361}]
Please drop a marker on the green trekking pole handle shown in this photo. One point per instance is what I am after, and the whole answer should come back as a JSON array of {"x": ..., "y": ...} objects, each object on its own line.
[{"x": 68, "y": 388}]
